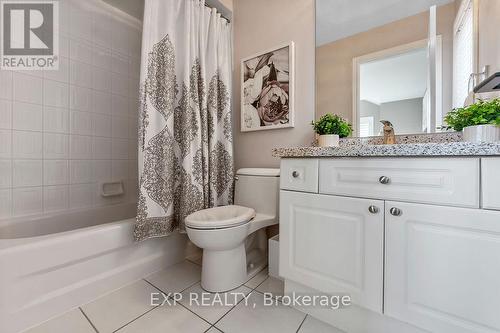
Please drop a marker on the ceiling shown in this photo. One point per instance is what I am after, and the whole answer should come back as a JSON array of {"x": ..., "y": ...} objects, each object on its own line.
[
  {"x": 336, "y": 19},
  {"x": 131, "y": 7},
  {"x": 394, "y": 79}
]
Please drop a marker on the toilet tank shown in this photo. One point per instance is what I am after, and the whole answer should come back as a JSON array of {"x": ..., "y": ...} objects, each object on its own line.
[{"x": 258, "y": 188}]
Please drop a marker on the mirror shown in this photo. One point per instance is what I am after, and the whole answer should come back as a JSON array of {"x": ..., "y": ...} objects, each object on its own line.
[{"x": 408, "y": 62}]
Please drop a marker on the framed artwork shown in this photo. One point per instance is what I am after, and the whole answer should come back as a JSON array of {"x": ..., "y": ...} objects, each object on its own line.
[{"x": 267, "y": 92}]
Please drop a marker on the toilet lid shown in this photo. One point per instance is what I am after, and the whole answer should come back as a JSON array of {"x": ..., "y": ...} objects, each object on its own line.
[{"x": 220, "y": 217}]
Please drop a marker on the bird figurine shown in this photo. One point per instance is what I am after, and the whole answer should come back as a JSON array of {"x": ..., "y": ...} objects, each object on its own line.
[{"x": 389, "y": 136}]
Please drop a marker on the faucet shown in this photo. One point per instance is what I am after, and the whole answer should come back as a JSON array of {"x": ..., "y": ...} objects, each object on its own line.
[{"x": 389, "y": 136}]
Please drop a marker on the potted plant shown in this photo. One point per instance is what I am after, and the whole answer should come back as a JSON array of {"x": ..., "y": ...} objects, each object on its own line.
[
  {"x": 480, "y": 122},
  {"x": 330, "y": 128}
]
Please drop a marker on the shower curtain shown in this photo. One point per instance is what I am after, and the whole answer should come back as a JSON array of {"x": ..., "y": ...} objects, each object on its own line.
[{"x": 185, "y": 127}]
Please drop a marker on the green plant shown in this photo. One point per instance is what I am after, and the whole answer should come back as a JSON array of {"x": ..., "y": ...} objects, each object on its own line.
[
  {"x": 480, "y": 113},
  {"x": 332, "y": 124}
]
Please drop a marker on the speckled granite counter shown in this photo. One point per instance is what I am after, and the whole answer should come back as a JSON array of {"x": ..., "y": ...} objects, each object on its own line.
[{"x": 398, "y": 150}]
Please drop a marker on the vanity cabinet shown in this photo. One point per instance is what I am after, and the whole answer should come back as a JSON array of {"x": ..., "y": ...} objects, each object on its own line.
[{"x": 419, "y": 248}]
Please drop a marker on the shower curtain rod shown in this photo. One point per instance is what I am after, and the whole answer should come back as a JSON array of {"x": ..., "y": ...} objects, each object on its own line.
[{"x": 218, "y": 11}]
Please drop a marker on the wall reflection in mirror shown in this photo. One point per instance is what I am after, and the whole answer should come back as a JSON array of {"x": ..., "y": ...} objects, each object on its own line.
[{"x": 408, "y": 62}]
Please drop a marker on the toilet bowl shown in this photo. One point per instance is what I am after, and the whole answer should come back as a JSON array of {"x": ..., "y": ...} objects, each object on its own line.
[{"x": 233, "y": 237}]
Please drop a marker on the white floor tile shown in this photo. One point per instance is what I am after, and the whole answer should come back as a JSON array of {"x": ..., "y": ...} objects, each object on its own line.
[
  {"x": 208, "y": 305},
  {"x": 313, "y": 325},
  {"x": 176, "y": 278},
  {"x": 118, "y": 308},
  {"x": 73, "y": 321},
  {"x": 171, "y": 319},
  {"x": 257, "y": 279},
  {"x": 272, "y": 285},
  {"x": 255, "y": 317}
]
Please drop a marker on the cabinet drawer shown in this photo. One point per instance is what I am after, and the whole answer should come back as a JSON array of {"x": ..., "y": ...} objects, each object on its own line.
[
  {"x": 299, "y": 174},
  {"x": 453, "y": 182},
  {"x": 491, "y": 182}
]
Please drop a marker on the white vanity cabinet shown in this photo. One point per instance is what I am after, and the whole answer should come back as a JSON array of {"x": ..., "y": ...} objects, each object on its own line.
[{"x": 408, "y": 238}]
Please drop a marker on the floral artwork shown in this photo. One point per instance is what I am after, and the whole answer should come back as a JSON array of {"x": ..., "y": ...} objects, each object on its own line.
[{"x": 267, "y": 90}]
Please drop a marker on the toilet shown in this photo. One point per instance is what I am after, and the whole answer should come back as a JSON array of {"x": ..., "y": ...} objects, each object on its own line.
[{"x": 233, "y": 238}]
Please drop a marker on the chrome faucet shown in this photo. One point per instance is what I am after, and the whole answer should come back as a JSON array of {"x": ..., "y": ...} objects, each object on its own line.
[{"x": 389, "y": 136}]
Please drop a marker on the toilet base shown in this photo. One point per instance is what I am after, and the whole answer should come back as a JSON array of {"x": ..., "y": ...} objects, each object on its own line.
[{"x": 223, "y": 270}]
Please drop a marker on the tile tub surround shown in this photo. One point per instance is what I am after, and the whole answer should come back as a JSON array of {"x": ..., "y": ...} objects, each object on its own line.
[
  {"x": 63, "y": 132},
  {"x": 398, "y": 150}
]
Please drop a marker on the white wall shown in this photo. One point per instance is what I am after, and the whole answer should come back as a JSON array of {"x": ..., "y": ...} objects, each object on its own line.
[
  {"x": 62, "y": 132},
  {"x": 489, "y": 35},
  {"x": 368, "y": 109},
  {"x": 405, "y": 115},
  {"x": 258, "y": 26}
]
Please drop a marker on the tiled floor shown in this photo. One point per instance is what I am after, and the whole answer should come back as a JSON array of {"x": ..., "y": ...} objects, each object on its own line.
[{"x": 129, "y": 310}]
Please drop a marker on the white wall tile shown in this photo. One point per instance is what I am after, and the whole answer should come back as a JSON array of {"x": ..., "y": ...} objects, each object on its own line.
[
  {"x": 134, "y": 69},
  {"x": 55, "y": 146},
  {"x": 119, "y": 105},
  {"x": 27, "y": 88},
  {"x": 102, "y": 148},
  {"x": 134, "y": 41},
  {"x": 80, "y": 171},
  {"x": 63, "y": 40},
  {"x": 5, "y": 203},
  {"x": 55, "y": 172},
  {"x": 102, "y": 125},
  {"x": 55, "y": 198},
  {"x": 5, "y": 113},
  {"x": 119, "y": 170},
  {"x": 27, "y": 173},
  {"x": 80, "y": 50},
  {"x": 133, "y": 88},
  {"x": 5, "y": 143},
  {"x": 27, "y": 116},
  {"x": 55, "y": 120},
  {"x": 102, "y": 171},
  {"x": 61, "y": 74},
  {"x": 133, "y": 149},
  {"x": 64, "y": 17},
  {"x": 101, "y": 102},
  {"x": 80, "y": 147},
  {"x": 80, "y": 122},
  {"x": 133, "y": 128},
  {"x": 5, "y": 173},
  {"x": 133, "y": 107},
  {"x": 119, "y": 84},
  {"x": 101, "y": 79},
  {"x": 119, "y": 127},
  {"x": 120, "y": 63},
  {"x": 6, "y": 84},
  {"x": 102, "y": 29},
  {"x": 81, "y": 195},
  {"x": 80, "y": 74},
  {"x": 80, "y": 23},
  {"x": 119, "y": 149},
  {"x": 27, "y": 145},
  {"x": 55, "y": 94},
  {"x": 27, "y": 200},
  {"x": 120, "y": 38},
  {"x": 101, "y": 57},
  {"x": 80, "y": 99},
  {"x": 133, "y": 169}
]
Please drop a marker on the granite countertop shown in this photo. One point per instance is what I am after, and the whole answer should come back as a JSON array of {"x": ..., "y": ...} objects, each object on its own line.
[
  {"x": 401, "y": 150},
  {"x": 442, "y": 144}
]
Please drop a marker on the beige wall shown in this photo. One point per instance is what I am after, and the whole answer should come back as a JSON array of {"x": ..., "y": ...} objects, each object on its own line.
[
  {"x": 228, "y": 4},
  {"x": 260, "y": 25},
  {"x": 334, "y": 60},
  {"x": 489, "y": 34}
]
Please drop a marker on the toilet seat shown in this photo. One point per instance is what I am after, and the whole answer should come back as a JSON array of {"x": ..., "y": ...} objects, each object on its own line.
[{"x": 220, "y": 217}]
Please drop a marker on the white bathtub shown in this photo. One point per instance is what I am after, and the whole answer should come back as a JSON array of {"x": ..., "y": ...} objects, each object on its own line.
[{"x": 51, "y": 264}]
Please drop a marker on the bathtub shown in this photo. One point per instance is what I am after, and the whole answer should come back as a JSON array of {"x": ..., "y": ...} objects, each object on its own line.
[{"x": 51, "y": 264}]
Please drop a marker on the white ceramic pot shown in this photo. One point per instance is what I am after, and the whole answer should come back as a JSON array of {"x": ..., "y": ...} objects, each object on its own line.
[
  {"x": 328, "y": 140},
  {"x": 482, "y": 133}
]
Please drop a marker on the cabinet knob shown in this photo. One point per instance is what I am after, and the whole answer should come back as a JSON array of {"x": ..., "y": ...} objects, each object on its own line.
[
  {"x": 373, "y": 209},
  {"x": 295, "y": 174},
  {"x": 395, "y": 211},
  {"x": 384, "y": 180}
]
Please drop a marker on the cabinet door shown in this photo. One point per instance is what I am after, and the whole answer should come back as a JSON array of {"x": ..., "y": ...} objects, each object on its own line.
[
  {"x": 443, "y": 267},
  {"x": 333, "y": 244}
]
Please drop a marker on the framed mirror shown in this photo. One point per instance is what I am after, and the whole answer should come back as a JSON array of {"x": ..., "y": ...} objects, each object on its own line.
[{"x": 407, "y": 62}]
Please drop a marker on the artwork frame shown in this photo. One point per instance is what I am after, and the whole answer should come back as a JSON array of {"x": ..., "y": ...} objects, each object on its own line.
[{"x": 267, "y": 89}]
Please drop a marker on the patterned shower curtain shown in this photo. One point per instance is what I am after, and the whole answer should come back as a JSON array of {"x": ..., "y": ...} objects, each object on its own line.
[{"x": 185, "y": 130}]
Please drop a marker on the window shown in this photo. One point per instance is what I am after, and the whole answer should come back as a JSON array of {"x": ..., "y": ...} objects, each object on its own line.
[{"x": 463, "y": 52}]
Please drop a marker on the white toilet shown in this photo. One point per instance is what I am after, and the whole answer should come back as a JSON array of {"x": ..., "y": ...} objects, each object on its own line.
[{"x": 233, "y": 238}]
